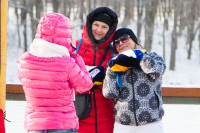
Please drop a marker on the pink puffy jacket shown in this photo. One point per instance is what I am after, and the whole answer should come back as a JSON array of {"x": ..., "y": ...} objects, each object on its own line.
[{"x": 49, "y": 73}]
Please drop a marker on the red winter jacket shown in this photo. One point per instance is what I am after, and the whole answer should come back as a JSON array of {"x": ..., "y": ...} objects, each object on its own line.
[{"x": 104, "y": 106}]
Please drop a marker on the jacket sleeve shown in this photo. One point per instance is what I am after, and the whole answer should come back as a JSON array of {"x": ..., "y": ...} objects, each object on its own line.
[
  {"x": 110, "y": 88},
  {"x": 79, "y": 77},
  {"x": 153, "y": 65},
  {"x": 79, "y": 61}
]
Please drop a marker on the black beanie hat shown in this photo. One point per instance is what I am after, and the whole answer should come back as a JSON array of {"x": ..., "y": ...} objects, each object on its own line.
[
  {"x": 122, "y": 31},
  {"x": 103, "y": 17}
]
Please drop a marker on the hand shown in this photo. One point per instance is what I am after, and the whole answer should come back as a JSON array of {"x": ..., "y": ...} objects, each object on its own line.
[
  {"x": 139, "y": 53},
  {"x": 74, "y": 55},
  {"x": 126, "y": 60},
  {"x": 97, "y": 74}
]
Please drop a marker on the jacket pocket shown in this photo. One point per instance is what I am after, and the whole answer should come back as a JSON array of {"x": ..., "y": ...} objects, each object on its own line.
[{"x": 158, "y": 100}]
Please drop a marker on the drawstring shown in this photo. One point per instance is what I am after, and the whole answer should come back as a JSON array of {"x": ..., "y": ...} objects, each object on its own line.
[
  {"x": 119, "y": 81},
  {"x": 4, "y": 114}
]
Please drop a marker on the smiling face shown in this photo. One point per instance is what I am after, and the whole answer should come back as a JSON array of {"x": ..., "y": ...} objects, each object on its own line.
[
  {"x": 99, "y": 30},
  {"x": 124, "y": 44}
]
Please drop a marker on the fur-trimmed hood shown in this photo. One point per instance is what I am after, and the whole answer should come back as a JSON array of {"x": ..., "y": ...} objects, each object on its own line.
[{"x": 87, "y": 32}]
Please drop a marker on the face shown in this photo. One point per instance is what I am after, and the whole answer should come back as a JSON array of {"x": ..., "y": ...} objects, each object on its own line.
[
  {"x": 99, "y": 29},
  {"x": 124, "y": 43}
]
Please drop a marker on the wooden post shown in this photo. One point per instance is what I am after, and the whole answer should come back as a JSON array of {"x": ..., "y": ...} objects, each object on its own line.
[{"x": 3, "y": 51}]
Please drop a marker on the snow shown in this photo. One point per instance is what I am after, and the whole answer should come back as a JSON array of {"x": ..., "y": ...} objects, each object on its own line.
[{"x": 178, "y": 118}]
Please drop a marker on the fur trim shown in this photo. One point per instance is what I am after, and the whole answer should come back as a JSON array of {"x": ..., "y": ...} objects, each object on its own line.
[{"x": 42, "y": 48}]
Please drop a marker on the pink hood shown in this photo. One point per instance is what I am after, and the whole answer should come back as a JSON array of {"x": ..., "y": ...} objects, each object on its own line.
[{"x": 55, "y": 28}]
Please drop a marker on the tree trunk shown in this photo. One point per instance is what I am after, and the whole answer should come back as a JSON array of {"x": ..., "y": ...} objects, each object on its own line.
[
  {"x": 150, "y": 12},
  {"x": 183, "y": 19},
  {"x": 169, "y": 14},
  {"x": 62, "y": 7},
  {"x": 164, "y": 27},
  {"x": 117, "y": 7},
  {"x": 69, "y": 7},
  {"x": 90, "y": 3},
  {"x": 139, "y": 20},
  {"x": 174, "y": 38},
  {"x": 31, "y": 4},
  {"x": 44, "y": 6},
  {"x": 191, "y": 32},
  {"x": 128, "y": 13},
  {"x": 18, "y": 26},
  {"x": 56, "y": 4},
  {"x": 39, "y": 9},
  {"x": 81, "y": 13},
  {"x": 164, "y": 11},
  {"x": 24, "y": 23},
  {"x": 199, "y": 44}
]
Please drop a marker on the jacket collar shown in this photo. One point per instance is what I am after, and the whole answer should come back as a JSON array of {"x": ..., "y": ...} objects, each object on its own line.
[{"x": 42, "y": 48}]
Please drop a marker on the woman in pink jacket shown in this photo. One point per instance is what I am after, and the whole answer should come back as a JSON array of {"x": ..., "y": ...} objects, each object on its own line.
[{"x": 49, "y": 72}]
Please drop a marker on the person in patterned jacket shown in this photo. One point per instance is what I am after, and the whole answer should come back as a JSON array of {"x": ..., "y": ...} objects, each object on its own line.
[
  {"x": 49, "y": 73},
  {"x": 133, "y": 80}
]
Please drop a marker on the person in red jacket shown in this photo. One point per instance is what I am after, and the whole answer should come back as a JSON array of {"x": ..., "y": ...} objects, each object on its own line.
[{"x": 95, "y": 50}]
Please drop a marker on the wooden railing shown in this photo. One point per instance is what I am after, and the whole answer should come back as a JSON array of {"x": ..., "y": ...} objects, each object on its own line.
[{"x": 166, "y": 91}]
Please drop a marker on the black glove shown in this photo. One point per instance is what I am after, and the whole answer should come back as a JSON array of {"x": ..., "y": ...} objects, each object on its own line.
[
  {"x": 126, "y": 60},
  {"x": 97, "y": 74}
]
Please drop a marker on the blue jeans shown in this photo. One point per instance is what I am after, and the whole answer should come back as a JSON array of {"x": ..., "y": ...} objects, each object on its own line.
[{"x": 55, "y": 131}]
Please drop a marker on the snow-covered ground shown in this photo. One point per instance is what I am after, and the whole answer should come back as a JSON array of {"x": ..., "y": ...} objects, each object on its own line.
[{"x": 179, "y": 118}]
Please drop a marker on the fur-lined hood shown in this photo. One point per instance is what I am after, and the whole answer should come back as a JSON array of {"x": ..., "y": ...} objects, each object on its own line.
[{"x": 87, "y": 32}]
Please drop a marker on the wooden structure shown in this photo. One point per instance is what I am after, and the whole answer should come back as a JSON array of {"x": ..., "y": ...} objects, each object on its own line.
[
  {"x": 3, "y": 51},
  {"x": 166, "y": 91}
]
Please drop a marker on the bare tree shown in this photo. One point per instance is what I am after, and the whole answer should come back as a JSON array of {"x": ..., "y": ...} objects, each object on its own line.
[
  {"x": 81, "y": 13},
  {"x": 18, "y": 25},
  {"x": 183, "y": 19},
  {"x": 56, "y": 4},
  {"x": 150, "y": 12},
  {"x": 190, "y": 27},
  {"x": 164, "y": 7},
  {"x": 129, "y": 8},
  {"x": 31, "y": 4},
  {"x": 117, "y": 7},
  {"x": 139, "y": 18},
  {"x": 199, "y": 44},
  {"x": 39, "y": 9},
  {"x": 174, "y": 36},
  {"x": 24, "y": 11},
  {"x": 89, "y": 4},
  {"x": 63, "y": 7}
]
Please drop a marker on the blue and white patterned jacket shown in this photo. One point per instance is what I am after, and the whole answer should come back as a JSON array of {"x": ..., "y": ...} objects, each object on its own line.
[{"x": 139, "y": 100}]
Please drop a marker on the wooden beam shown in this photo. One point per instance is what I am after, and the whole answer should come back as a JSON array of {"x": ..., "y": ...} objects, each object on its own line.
[
  {"x": 14, "y": 88},
  {"x": 180, "y": 92},
  {"x": 3, "y": 51},
  {"x": 166, "y": 91}
]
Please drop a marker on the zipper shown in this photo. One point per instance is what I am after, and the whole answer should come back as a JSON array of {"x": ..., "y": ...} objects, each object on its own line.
[
  {"x": 133, "y": 98},
  {"x": 95, "y": 49}
]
